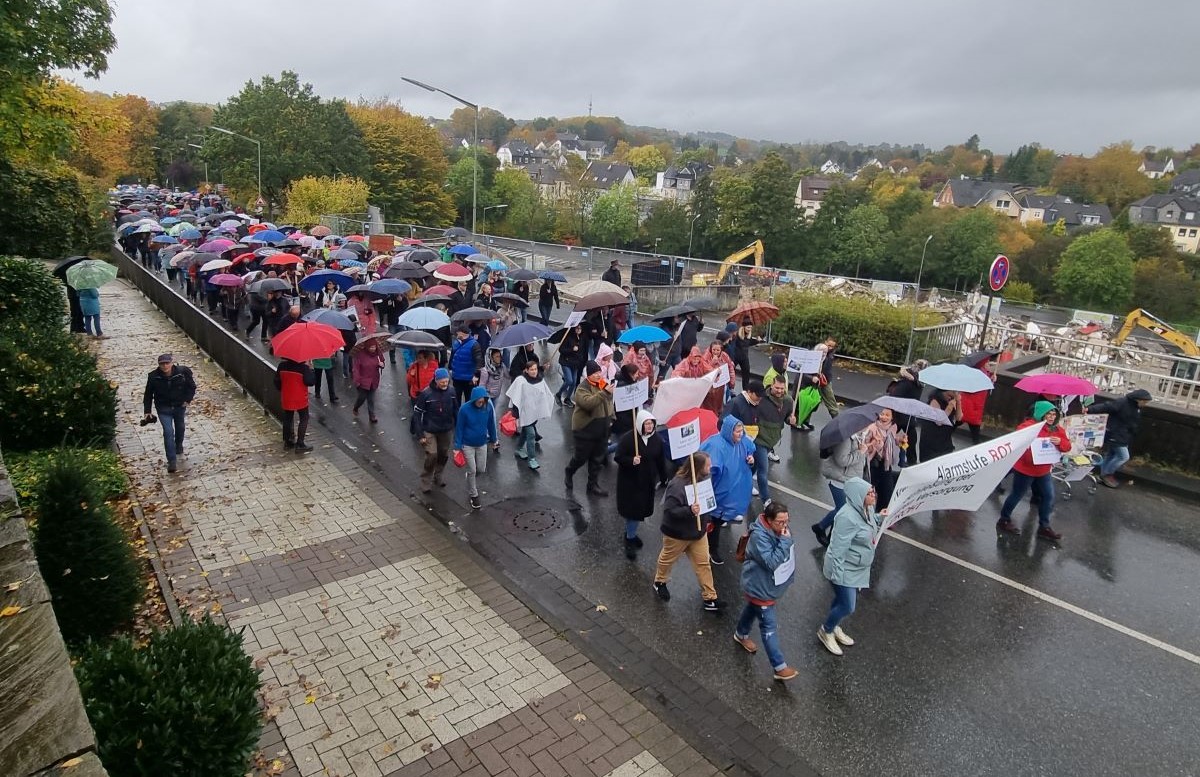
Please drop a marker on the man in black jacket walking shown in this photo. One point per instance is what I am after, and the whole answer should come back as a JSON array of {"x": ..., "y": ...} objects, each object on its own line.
[
  {"x": 169, "y": 390},
  {"x": 434, "y": 416},
  {"x": 1124, "y": 418}
]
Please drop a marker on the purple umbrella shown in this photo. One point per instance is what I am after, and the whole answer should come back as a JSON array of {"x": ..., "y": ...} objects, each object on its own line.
[
  {"x": 226, "y": 279},
  {"x": 217, "y": 246}
]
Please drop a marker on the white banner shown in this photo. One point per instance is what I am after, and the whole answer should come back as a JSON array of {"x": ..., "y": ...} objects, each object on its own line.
[
  {"x": 804, "y": 361},
  {"x": 676, "y": 394},
  {"x": 574, "y": 319},
  {"x": 961, "y": 480},
  {"x": 631, "y": 396},
  {"x": 701, "y": 494},
  {"x": 684, "y": 439}
]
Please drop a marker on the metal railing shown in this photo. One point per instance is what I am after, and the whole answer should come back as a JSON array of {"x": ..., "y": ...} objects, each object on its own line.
[
  {"x": 1100, "y": 352},
  {"x": 939, "y": 343},
  {"x": 1119, "y": 379}
]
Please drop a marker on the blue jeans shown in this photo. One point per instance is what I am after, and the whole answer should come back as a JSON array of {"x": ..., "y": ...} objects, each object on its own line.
[
  {"x": 94, "y": 321},
  {"x": 844, "y": 599},
  {"x": 173, "y": 426},
  {"x": 839, "y": 499},
  {"x": 631, "y": 528},
  {"x": 545, "y": 311},
  {"x": 1113, "y": 460},
  {"x": 570, "y": 379},
  {"x": 762, "y": 471},
  {"x": 765, "y": 615},
  {"x": 1043, "y": 487},
  {"x": 527, "y": 440}
]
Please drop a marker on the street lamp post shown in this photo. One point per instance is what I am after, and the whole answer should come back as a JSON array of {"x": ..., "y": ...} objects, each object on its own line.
[
  {"x": 691, "y": 228},
  {"x": 912, "y": 328},
  {"x": 474, "y": 149},
  {"x": 193, "y": 145},
  {"x": 485, "y": 210},
  {"x": 257, "y": 145}
]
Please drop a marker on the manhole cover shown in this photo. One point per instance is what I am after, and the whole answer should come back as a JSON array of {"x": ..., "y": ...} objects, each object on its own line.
[{"x": 536, "y": 521}]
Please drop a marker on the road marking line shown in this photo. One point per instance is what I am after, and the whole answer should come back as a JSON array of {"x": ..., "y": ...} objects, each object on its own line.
[{"x": 1035, "y": 593}]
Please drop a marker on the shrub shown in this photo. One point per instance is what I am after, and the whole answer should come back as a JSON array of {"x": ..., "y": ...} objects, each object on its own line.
[
  {"x": 1018, "y": 291},
  {"x": 865, "y": 328},
  {"x": 87, "y": 564},
  {"x": 28, "y": 472},
  {"x": 186, "y": 704},
  {"x": 47, "y": 212},
  {"x": 30, "y": 297},
  {"x": 52, "y": 393}
]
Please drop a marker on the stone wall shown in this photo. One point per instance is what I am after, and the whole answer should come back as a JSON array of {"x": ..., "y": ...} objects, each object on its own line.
[{"x": 43, "y": 725}]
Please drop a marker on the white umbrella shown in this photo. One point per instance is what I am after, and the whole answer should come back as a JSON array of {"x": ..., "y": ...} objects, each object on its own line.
[
  {"x": 587, "y": 288},
  {"x": 215, "y": 264},
  {"x": 956, "y": 377}
]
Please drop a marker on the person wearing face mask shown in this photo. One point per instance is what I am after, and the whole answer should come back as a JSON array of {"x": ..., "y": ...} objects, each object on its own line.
[
  {"x": 1028, "y": 475},
  {"x": 848, "y": 560},
  {"x": 640, "y": 468},
  {"x": 732, "y": 455}
]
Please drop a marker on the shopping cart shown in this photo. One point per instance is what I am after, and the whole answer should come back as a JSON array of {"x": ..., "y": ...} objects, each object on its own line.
[{"x": 1086, "y": 433}]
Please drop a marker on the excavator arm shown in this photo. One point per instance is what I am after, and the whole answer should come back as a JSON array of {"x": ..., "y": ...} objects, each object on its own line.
[
  {"x": 1159, "y": 327},
  {"x": 755, "y": 249}
]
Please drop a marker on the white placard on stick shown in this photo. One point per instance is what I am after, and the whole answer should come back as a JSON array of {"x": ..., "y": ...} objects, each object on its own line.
[
  {"x": 574, "y": 319},
  {"x": 684, "y": 439},
  {"x": 722, "y": 376},
  {"x": 1045, "y": 451},
  {"x": 632, "y": 396},
  {"x": 804, "y": 361},
  {"x": 701, "y": 494}
]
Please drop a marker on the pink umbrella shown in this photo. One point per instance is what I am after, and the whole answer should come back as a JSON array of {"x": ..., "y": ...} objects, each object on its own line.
[
  {"x": 217, "y": 246},
  {"x": 1054, "y": 383},
  {"x": 226, "y": 279}
]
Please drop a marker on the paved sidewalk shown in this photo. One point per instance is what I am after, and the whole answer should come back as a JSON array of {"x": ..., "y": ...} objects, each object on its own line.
[{"x": 384, "y": 647}]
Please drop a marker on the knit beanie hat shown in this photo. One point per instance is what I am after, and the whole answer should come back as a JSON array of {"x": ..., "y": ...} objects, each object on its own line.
[
  {"x": 441, "y": 373},
  {"x": 592, "y": 368},
  {"x": 1041, "y": 407}
]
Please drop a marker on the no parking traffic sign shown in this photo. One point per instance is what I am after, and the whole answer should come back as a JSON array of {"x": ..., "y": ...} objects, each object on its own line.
[{"x": 998, "y": 274}]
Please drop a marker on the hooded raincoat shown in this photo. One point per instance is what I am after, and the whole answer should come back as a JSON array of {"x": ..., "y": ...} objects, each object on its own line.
[
  {"x": 732, "y": 480},
  {"x": 852, "y": 544},
  {"x": 636, "y": 482}
]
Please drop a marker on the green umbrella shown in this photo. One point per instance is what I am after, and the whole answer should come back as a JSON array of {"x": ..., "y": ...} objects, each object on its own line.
[{"x": 91, "y": 274}]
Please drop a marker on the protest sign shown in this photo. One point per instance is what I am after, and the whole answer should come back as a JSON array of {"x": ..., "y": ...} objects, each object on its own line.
[
  {"x": 804, "y": 361},
  {"x": 684, "y": 439},
  {"x": 632, "y": 396},
  {"x": 787, "y": 568},
  {"x": 960, "y": 480},
  {"x": 1045, "y": 451},
  {"x": 574, "y": 319},
  {"x": 722, "y": 377},
  {"x": 1085, "y": 431},
  {"x": 701, "y": 494}
]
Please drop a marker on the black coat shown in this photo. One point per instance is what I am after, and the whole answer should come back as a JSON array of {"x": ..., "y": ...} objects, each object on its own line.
[
  {"x": 636, "y": 483},
  {"x": 567, "y": 353},
  {"x": 1124, "y": 418},
  {"x": 678, "y": 521}
]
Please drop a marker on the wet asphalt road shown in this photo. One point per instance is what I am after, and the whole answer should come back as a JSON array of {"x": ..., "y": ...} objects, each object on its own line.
[{"x": 953, "y": 673}]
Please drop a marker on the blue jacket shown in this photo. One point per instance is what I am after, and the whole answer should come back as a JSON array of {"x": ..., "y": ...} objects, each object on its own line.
[
  {"x": 852, "y": 544},
  {"x": 732, "y": 480},
  {"x": 465, "y": 359},
  {"x": 765, "y": 551},
  {"x": 89, "y": 302},
  {"x": 476, "y": 425}
]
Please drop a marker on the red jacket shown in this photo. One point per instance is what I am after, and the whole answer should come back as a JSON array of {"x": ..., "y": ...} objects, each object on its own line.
[
  {"x": 293, "y": 379},
  {"x": 420, "y": 377},
  {"x": 1025, "y": 464},
  {"x": 972, "y": 403}
]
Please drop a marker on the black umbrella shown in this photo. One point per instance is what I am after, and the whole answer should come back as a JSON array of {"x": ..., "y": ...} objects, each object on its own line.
[
  {"x": 515, "y": 299},
  {"x": 457, "y": 233},
  {"x": 60, "y": 269},
  {"x": 422, "y": 256},
  {"x": 415, "y": 338},
  {"x": 473, "y": 314},
  {"x": 975, "y": 358},
  {"x": 522, "y": 275},
  {"x": 848, "y": 423},
  {"x": 700, "y": 303},
  {"x": 269, "y": 284},
  {"x": 672, "y": 312},
  {"x": 204, "y": 257},
  {"x": 429, "y": 301},
  {"x": 406, "y": 271},
  {"x": 357, "y": 248}
]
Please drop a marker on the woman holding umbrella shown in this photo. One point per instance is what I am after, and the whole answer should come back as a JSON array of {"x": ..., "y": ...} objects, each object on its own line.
[
  {"x": 572, "y": 356},
  {"x": 641, "y": 466},
  {"x": 331, "y": 297},
  {"x": 938, "y": 440},
  {"x": 367, "y": 363},
  {"x": 548, "y": 298}
]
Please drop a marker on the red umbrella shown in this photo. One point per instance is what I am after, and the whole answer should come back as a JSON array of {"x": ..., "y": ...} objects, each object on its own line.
[
  {"x": 355, "y": 239},
  {"x": 452, "y": 272},
  {"x": 411, "y": 241},
  {"x": 759, "y": 313},
  {"x": 246, "y": 257},
  {"x": 283, "y": 259},
  {"x": 708, "y": 421},
  {"x": 441, "y": 289},
  {"x": 306, "y": 341}
]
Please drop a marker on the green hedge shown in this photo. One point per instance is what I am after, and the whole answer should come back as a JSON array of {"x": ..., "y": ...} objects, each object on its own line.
[
  {"x": 84, "y": 557},
  {"x": 52, "y": 393},
  {"x": 28, "y": 472},
  {"x": 49, "y": 212},
  {"x": 29, "y": 296},
  {"x": 864, "y": 328},
  {"x": 185, "y": 705}
]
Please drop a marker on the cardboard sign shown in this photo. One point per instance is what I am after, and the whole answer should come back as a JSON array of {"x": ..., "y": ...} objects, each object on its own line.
[
  {"x": 1045, "y": 451},
  {"x": 961, "y": 480},
  {"x": 722, "y": 378},
  {"x": 1086, "y": 432},
  {"x": 701, "y": 494},
  {"x": 788, "y": 568},
  {"x": 383, "y": 243},
  {"x": 804, "y": 361},
  {"x": 574, "y": 319},
  {"x": 684, "y": 439},
  {"x": 632, "y": 396}
]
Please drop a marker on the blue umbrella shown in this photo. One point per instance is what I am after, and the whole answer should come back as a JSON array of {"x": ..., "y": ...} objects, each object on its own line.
[
  {"x": 391, "y": 286},
  {"x": 317, "y": 280},
  {"x": 331, "y": 317},
  {"x": 191, "y": 234},
  {"x": 423, "y": 318},
  {"x": 351, "y": 263},
  {"x": 955, "y": 377},
  {"x": 127, "y": 228},
  {"x": 163, "y": 239},
  {"x": 520, "y": 334},
  {"x": 551, "y": 275},
  {"x": 462, "y": 249},
  {"x": 497, "y": 265},
  {"x": 266, "y": 236},
  {"x": 169, "y": 221},
  {"x": 645, "y": 334}
]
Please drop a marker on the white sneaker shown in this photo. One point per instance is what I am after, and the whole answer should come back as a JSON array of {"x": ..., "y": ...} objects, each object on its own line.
[
  {"x": 829, "y": 642},
  {"x": 774, "y": 457},
  {"x": 842, "y": 636},
  {"x": 754, "y": 490}
]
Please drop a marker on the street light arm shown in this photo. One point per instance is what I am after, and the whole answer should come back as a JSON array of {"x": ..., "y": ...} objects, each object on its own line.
[{"x": 429, "y": 88}]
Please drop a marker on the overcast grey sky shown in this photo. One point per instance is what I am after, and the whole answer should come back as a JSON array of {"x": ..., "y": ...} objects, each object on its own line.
[{"x": 1073, "y": 75}]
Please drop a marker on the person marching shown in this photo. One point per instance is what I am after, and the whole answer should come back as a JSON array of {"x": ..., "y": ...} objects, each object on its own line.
[
  {"x": 473, "y": 432},
  {"x": 1124, "y": 419},
  {"x": 1028, "y": 475},
  {"x": 683, "y": 534},
  {"x": 770, "y": 556},
  {"x": 169, "y": 390},
  {"x": 590, "y": 422},
  {"x": 436, "y": 413},
  {"x": 848, "y": 560},
  {"x": 531, "y": 400},
  {"x": 641, "y": 466},
  {"x": 732, "y": 455}
]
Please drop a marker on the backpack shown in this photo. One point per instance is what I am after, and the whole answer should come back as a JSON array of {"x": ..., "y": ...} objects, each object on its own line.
[{"x": 740, "y": 553}]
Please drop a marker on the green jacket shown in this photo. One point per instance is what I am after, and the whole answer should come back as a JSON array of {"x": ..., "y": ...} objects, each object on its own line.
[
  {"x": 594, "y": 410},
  {"x": 772, "y": 414},
  {"x": 852, "y": 543}
]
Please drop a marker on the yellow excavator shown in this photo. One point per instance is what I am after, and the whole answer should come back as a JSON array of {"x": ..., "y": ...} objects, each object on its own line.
[
  {"x": 1139, "y": 317},
  {"x": 755, "y": 249}
]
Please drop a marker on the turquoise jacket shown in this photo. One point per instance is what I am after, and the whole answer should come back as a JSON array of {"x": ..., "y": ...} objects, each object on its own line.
[{"x": 852, "y": 544}]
